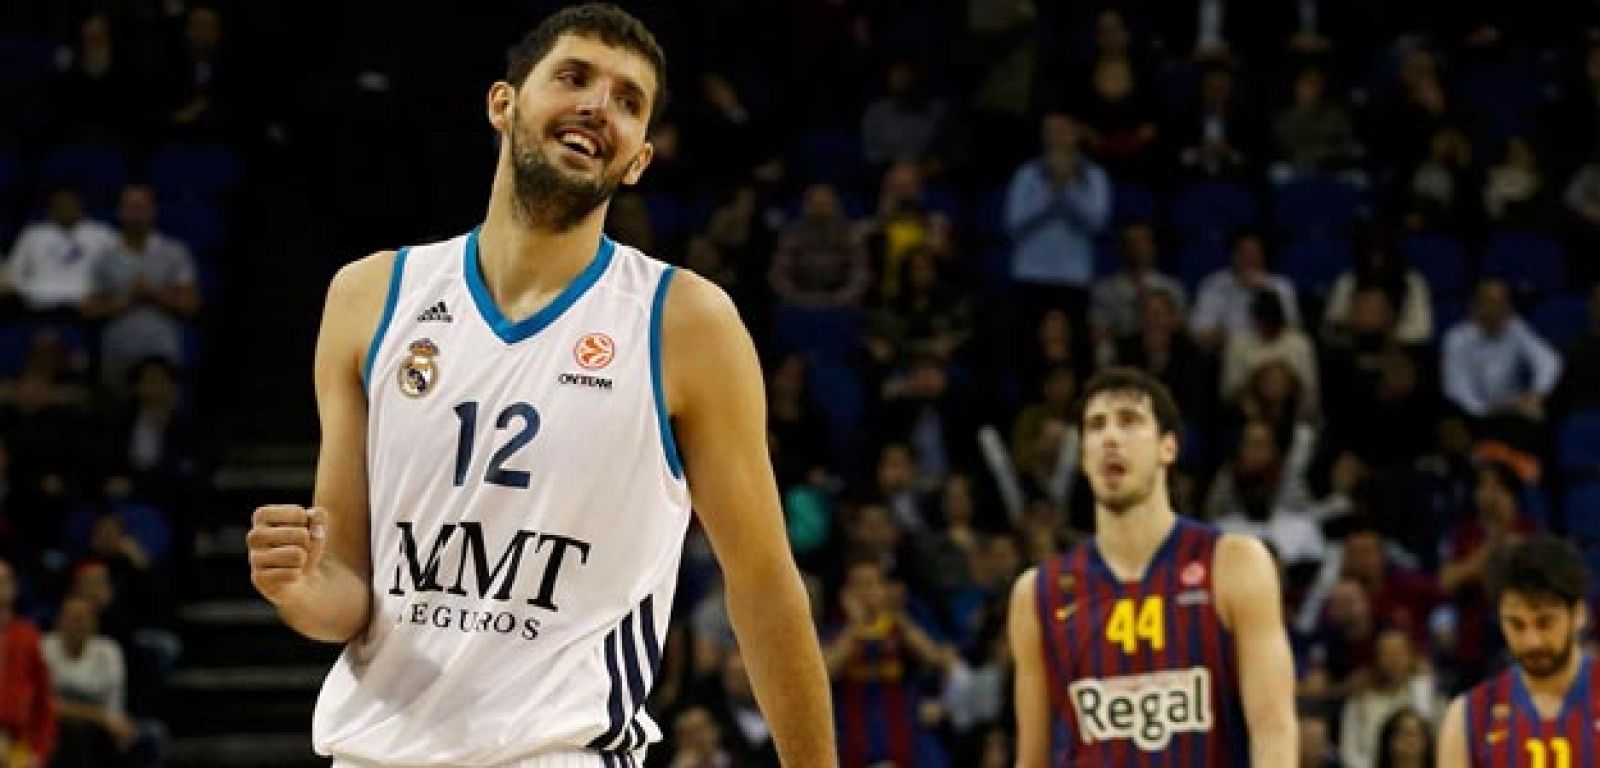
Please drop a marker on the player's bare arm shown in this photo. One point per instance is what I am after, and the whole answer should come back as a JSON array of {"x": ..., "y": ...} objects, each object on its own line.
[
  {"x": 1452, "y": 748},
  {"x": 1032, "y": 695},
  {"x": 314, "y": 564},
  {"x": 1252, "y": 606},
  {"x": 717, "y": 397}
]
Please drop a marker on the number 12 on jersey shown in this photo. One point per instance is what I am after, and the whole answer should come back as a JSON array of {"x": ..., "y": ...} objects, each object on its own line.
[
  {"x": 1132, "y": 620},
  {"x": 467, "y": 414}
]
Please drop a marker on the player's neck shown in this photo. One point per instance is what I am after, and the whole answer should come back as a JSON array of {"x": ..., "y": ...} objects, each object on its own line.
[
  {"x": 1128, "y": 540},
  {"x": 525, "y": 267}
]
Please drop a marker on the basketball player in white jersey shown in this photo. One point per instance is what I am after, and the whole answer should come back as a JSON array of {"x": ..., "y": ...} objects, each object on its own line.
[{"x": 514, "y": 424}]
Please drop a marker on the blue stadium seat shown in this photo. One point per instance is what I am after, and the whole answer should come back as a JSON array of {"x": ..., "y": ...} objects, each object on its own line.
[
  {"x": 1527, "y": 260},
  {"x": 94, "y": 170},
  {"x": 831, "y": 333},
  {"x": 1582, "y": 510},
  {"x": 1314, "y": 263},
  {"x": 1197, "y": 260},
  {"x": 838, "y": 393},
  {"x": 199, "y": 224},
  {"x": 1316, "y": 206},
  {"x": 989, "y": 211},
  {"x": 1132, "y": 202},
  {"x": 1442, "y": 261},
  {"x": 1578, "y": 443},
  {"x": 17, "y": 339},
  {"x": 25, "y": 61},
  {"x": 830, "y": 156},
  {"x": 180, "y": 170},
  {"x": 1446, "y": 313},
  {"x": 1561, "y": 319},
  {"x": 1213, "y": 210}
]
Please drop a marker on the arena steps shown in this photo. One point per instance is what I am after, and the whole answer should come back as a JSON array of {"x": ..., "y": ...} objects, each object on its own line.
[{"x": 245, "y": 685}]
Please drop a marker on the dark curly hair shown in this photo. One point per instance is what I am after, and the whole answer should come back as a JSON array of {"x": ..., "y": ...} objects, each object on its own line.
[
  {"x": 1543, "y": 567},
  {"x": 612, "y": 25}
]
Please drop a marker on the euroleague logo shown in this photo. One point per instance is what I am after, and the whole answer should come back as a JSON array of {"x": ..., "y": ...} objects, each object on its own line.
[{"x": 594, "y": 351}]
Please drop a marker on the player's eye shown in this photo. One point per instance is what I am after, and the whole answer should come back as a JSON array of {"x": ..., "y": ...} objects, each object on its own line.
[
  {"x": 569, "y": 77},
  {"x": 629, "y": 104}
]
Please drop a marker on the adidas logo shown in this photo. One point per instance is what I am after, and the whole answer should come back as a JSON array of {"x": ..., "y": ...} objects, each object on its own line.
[{"x": 435, "y": 314}]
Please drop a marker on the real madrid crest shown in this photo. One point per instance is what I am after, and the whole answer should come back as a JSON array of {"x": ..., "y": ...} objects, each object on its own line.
[{"x": 418, "y": 372}]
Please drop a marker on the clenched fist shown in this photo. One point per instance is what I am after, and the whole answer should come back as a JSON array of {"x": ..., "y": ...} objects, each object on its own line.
[{"x": 286, "y": 545}]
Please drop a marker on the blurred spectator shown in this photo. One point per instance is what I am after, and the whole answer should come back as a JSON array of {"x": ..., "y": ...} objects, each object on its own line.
[
  {"x": 1406, "y": 741},
  {"x": 1160, "y": 347},
  {"x": 745, "y": 730},
  {"x": 156, "y": 440},
  {"x": 1468, "y": 549},
  {"x": 90, "y": 681},
  {"x": 1400, "y": 595},
  {"x": 1316, "y": 744},
  {"x": 929, "y": 318},
  {"x": 96, "y": 91},
  {"x": 1414, "y": 112},
  {"x": 1213, "y": 30},
  {"x": 1055, "y": 343},
  {"x": 1495, "y": 364},
  {"x": 27, "y": 702},
  {"x": 51, "y": 263},
  {"x": 1054, "y": 208},
  {"x": 707, "y": 260},
  {"x": 1441, "y": 187},
  {"x": 904, "y": 123},
  {"x": 1582, "y": 199},
  {"x": 1314, "y": 133},
  {"x": 819, "y": 260},
  {"x": 1376, "y": 403},
  {"x": 1346, "y": 634},
  {"x": 903, "y": 222},
  {"x": 46, "y": 431},
  {"x": 878, "y": 659},
  {"x": 932, "y": 408},
  {"x": 1056, "y": 399},
  {"x": 797, "y": 433},
  {"x": 1273, "y": 393},
  {"x": 1514, "y": 192},
  {"x": 1262, "y": 492},
  {"x": 1114, "y": 308},
  {"x": 1270, "y": 338},
  {"x": 143, "y": 287},
  {"x": 697, "y": 741},
  {"x": 1578, "y": 119},
  {"x": 1218, "y": 136},
  {"x": 1006, "y": 54},
  {"x": 1378, "y": 265},
  {"x": 1397, "y": 681},
  {"x": 1579, "y": 388},
  {"x": 1222, "y": 305},
  {"x": 1114, "y": 97},
  {"x": 196, "y": 80}
]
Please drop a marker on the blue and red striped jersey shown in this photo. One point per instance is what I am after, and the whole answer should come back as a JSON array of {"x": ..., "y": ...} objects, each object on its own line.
[
  {"x": 1505, "y": 729},
  {"x": 1141, "y": 673}
]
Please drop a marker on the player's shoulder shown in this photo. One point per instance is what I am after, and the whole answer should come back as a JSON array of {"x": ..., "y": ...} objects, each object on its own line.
[
  {"x": 691, "y": 299},
  {"x": 362, "y": 277}
]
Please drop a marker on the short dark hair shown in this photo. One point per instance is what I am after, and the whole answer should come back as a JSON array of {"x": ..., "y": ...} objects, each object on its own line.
[
  {"x": 1542, "y": 567},
  {"x": 612, "y": 25},
  {"x": 1132, "y": 381}
]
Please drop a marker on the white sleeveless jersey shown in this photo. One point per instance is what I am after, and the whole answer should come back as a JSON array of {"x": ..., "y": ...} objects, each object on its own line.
[{"x": 528, "y": 511}]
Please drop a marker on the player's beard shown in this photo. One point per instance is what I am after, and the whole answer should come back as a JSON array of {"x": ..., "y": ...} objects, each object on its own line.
[
  {"x": 548, "y": 197},
  {"x": 1128, "y": 497},
  {"x": 1543, "y": 664}
]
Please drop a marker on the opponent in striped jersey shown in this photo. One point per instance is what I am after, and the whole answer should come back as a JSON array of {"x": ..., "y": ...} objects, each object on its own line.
[
  {"x": 1129, "y": 649},
  {"x": 516, "y": 423},
  {"x": 1543, "y": 711}
]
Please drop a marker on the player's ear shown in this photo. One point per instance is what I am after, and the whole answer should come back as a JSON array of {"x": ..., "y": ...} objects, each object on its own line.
[
  {"x": 1167, "y": 449},
  {"x": 501, "y": 96},
  {"x": 639, "y": 162}
]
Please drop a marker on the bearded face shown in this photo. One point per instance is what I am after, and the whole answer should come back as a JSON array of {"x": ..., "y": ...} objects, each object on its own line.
[
  {"x": 559, "y": 192},
  {"x": 1542, "y": 633}
]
